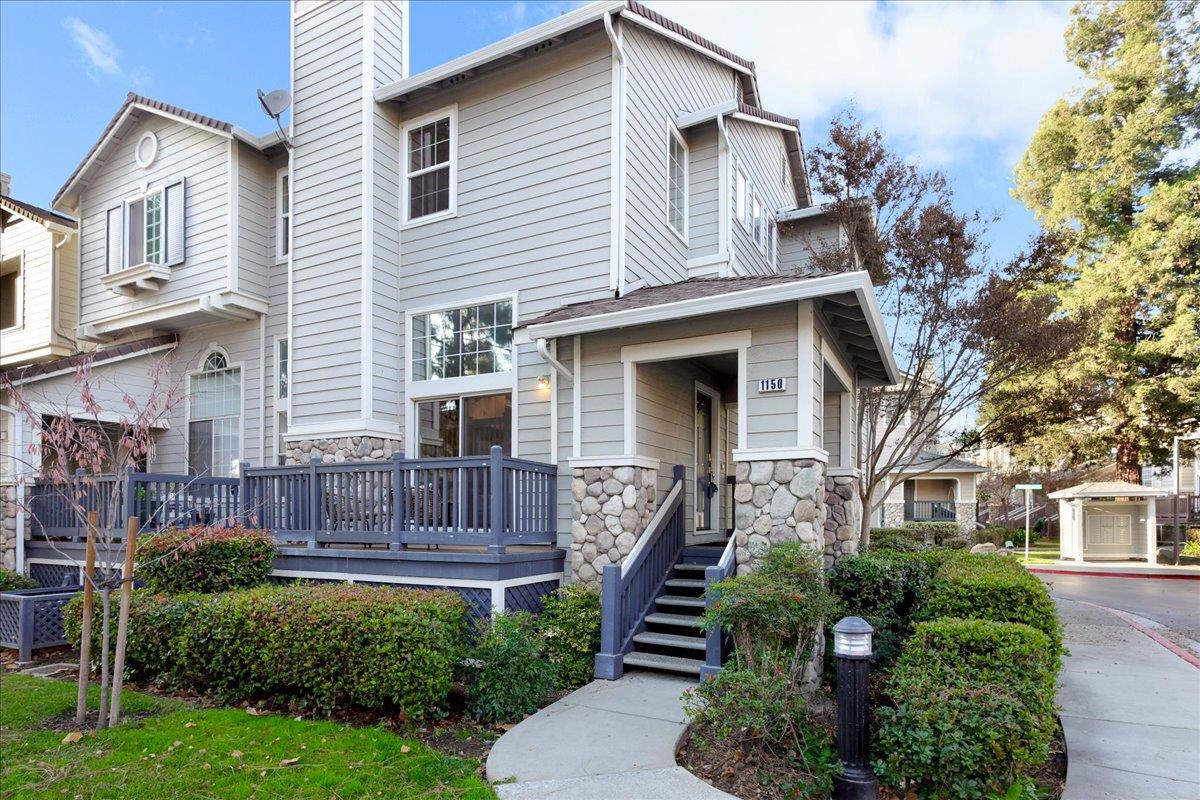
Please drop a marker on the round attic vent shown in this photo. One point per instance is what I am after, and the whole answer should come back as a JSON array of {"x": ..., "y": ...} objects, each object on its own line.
[{"x": 146, "y": 150}]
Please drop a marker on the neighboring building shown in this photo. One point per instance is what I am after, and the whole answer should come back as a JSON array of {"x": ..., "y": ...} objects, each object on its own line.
[{"x": 587, "y": 243}]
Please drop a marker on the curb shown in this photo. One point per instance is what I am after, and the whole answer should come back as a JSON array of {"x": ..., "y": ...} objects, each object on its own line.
[
  {"x": 1100, "y": 574},
  {"x": 1132, "y": 621}
]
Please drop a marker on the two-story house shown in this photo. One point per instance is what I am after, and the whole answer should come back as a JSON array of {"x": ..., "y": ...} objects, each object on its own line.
[{"x": 584, "y": 244}]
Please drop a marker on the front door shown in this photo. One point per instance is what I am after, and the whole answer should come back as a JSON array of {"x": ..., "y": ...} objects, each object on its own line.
[{"x": 706, "y": 480}]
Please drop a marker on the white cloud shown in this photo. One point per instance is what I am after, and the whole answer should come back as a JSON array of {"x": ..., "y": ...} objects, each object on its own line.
[
  {"x": 100, "y": 50},
  {"x": 938, "y": 78}
]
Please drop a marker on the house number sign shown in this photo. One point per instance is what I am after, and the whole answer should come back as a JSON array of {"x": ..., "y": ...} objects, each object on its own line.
[{"x": 768, "y": 385}]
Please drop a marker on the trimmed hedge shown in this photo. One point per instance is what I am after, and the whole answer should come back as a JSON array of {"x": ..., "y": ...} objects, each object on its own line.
[
  {"x": 884, "y": 588},
  {"x": 934, "y": 533},
  {"x": 205, "y": 559},
  {"x": 992, "y": 587},
  {"x": 900, "y": 540},
  {"x": 512, "y": 677},
  {"x": 11, "y": 581},
  {"x": 974, "y": 705},
  {"x": 331, "y": 646},
  {"x": 570, "y": 627}
]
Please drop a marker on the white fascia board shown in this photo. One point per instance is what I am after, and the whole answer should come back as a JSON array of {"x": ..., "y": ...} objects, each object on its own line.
[
  {"x": 797, "y": 214},
  {"x": 688, "y": 43},
  {"x": 693, "y": 118},
  {"x": 228, "y": 304},
  {"x": 593, "y": 12},
  {"x": 730, "y": 301},
  {"x": 866, "y": 297}
]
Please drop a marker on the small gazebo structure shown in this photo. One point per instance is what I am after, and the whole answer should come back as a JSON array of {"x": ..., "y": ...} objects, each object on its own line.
[{"x": 1107, "y": 520}]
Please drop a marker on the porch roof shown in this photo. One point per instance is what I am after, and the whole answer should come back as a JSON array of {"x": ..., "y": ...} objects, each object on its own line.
[
  {"x": 846, "y": 299},
  {"x": 928, "y": 461},
  {"x": 1106, "y": 489}
]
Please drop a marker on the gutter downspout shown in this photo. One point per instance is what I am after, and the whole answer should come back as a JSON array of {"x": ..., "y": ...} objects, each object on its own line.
[
  {"x": 544, "y": 351},
  {"x": 55, "y": 322},
  {"x": 617, "y": 239}
]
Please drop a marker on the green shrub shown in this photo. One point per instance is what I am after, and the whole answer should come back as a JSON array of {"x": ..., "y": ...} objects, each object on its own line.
[
  {"x": 759, "y": 714},
  {"x": 1191, "y": 547},
  {"x": 512, "y": 676},
  {"x": 933, "y": 533},
  {"x": 155, "y": 621},
  {"x": 885, "y": 589},
  {"x": 900, "y": 540},
  {"x": 569, "y": 625},
  {"x": 11, "y": 581},
  {"x": 773, "y": 614},
  {"x": 958, "y": 542},
  {"x": 205, "y": 559},
  {"x": 997, "y": 535},
  {"x": 992, "y": 587},
  {"x": 953, "y": 741}
]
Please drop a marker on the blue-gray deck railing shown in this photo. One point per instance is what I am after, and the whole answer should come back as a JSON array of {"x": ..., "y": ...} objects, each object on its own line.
[
  {"x": 627, "y": 590},
  {"x": 715, "y": 638},
  {"x": 492, "y": 501},
  {"x": 929, "y": 511}
]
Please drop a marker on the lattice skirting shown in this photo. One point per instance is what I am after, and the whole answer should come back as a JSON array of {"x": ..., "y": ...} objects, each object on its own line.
[
  {"x": 53, "y": 575},
  {"x": 528, "y": 597},
  {"x": 32, "y": 618}
]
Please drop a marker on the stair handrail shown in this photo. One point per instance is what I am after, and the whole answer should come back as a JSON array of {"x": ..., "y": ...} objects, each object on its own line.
[
  {"x": 714, "y": 638},
  {"x": 645, "y": 569}
]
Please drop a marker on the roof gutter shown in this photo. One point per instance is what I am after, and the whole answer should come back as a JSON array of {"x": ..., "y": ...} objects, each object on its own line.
[{"x": 543, "y": 349}]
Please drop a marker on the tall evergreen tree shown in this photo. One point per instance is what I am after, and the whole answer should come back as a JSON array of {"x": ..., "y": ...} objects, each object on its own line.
[{"x": 1108, "y": 177}]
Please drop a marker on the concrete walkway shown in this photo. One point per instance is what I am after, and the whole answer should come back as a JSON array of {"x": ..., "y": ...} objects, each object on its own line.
[
  {"x": 606, "y": 741},
  {"x": 1130, "y": 711}
]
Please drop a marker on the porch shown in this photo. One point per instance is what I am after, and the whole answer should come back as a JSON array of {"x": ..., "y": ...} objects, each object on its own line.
[{"x": 482, "y": 526}]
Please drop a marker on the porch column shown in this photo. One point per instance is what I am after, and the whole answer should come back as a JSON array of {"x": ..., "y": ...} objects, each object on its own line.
[
  {"x": 1151, "y": 533},
  {"x": 775, "y": 501},
  {"x": 611, "y": 503}
]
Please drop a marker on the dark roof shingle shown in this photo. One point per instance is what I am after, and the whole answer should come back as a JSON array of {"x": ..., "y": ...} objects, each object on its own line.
[
  {"x": 675, "y": 27},
  {"x": 35, "y": 212},
  {"x": 98, "y": 357}
]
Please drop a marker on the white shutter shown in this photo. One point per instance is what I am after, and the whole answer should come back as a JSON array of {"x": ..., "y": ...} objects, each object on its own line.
[
  {"x": 114, "y": 235},
  {"x": 174, "y": 197}
]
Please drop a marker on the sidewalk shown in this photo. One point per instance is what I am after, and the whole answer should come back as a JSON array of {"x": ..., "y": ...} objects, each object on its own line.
[
  {"x": 606, "y": 741},
  {"x": 1130, "y": 712},
  {"x": 1117, "y": 569}
]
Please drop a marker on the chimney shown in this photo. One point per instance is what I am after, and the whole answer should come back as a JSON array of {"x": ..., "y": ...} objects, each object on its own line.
[{"x": 5, "y": 184}]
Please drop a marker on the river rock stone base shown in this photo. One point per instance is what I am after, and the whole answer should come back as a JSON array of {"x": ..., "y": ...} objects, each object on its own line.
[
  {"x": 8, "y": 528},
  {"x": 339, "y": 451},
  {"x": 843, "y": 524},
  {"x": 775, "y": 502},
  {"x": 611, "y": 507}
]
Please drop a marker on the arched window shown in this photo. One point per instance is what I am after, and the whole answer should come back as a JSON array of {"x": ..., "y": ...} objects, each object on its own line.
[{"x": 215, "y": 418}]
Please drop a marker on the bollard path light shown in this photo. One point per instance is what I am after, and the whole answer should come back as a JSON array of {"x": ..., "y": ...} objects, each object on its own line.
[{"x": 853, "y": 647}]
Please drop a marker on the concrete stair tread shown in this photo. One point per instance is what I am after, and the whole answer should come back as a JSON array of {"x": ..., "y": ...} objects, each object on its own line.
[
  {"x": 661, "y": 618},
  {"x": 680, "y": 600},
  {"x": 689, "y": 666},
  {"x": 685, "y": 583},
  {"x": 691, "y": 568},
  {"x": 671, "y": 640}
]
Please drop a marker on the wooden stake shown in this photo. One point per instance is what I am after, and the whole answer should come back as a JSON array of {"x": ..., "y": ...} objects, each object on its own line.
[
  {"x": 85, "y": 644},
  {"x": 131, "y": 532}
]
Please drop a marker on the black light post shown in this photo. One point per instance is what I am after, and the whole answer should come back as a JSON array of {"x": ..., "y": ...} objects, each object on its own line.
[{"x": 852, "y": 647}]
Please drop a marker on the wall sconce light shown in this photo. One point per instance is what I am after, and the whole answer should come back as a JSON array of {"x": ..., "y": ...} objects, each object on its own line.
[{"x": 543, "y": 381}]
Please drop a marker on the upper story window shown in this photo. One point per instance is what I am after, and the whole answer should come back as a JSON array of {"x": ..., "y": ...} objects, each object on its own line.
[
  {"x": 773, "y": 243},
  {"x": 740, "y": 186},
  {"x": 283, "y": 368},
  {"x": 11, "y": 301},
  {"x": 147, "y": 229},
  {"x": 677, "y": 175},
  {"x": 430, "y": 154},
  {"x": 214, "y": 418},
  {"x": 283, "y": 214},
  {"x": 757, "y": 223},
  {"x": 462, "y": 342}
]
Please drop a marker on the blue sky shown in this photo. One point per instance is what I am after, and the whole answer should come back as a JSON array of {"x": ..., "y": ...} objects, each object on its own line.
[{"x": 959, "y": 87}]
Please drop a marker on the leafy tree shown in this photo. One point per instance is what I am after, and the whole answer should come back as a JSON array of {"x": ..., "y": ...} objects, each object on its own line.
[{"x": 1105, "y": 177}]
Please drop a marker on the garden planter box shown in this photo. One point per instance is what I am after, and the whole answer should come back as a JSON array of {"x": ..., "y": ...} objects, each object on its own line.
[{"x": 32, "y": 618}]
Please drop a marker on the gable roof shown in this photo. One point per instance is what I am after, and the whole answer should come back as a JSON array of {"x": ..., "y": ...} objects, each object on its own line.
[
  {"x": 1106, "y": 489},
  {"x": 136, "y": 105},
  {"x": 32, "y": 372},
  {"x": 35, "y": 214},
  {"x": 929, "y": 461},
  {"x": 853, "y": 315}
]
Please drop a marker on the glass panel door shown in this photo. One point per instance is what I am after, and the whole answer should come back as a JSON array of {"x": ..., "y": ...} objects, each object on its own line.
[{"x": 706, "y": 486}]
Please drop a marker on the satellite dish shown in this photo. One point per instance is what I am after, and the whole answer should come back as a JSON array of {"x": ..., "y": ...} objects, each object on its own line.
[{"x": 275, "y": 103}]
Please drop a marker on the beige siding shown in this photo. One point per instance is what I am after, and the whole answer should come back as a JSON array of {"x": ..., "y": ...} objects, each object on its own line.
[
  {"x": 704, "y": 186},
  {"x": 760, "y": 150},
  {"x": 198, "y": 155},
  {"x": 833, "y": 427},
  {"x": 799, "y": 242},
  {"x": 33, "y": 245},
  {"x": 663, "y": 81}
]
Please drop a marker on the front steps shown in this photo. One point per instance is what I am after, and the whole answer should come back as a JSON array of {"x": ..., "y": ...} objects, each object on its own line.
[{"x": 673, "y": 640}]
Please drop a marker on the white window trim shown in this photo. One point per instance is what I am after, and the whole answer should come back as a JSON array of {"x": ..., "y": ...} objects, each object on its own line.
[
  {"x": 674, "y": 133},
  {"x": 146, "y": 192},
  {"x": 463, "y": 386},
  {"x": 187, "y": 411},
  {"x": 758, "y": 223},
  {"x": 741, "y": 191},
  {"x": 283, "y": 227},
  {"x": 406, "y": 222},
  {"x": 282, "y": 403},
  {"x": 19, "y": 315},
  {"x": 774, "y": 244}
]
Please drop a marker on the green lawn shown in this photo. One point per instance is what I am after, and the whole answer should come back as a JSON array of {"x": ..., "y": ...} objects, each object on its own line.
[
  {"x": 169, "y": 750},
  {"x": 1040, "y": 553}
]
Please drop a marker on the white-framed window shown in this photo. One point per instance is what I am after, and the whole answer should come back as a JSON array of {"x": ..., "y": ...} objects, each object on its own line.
[
  {"x": 464, "y": 425},
  {"x": 429, "y": 157},
  {"x": 283, "y": 368},
  {"x": 462, "y": 342},
  {"x": 757, "y": 224},
  {"x": 677, "y": 182},
  {"x": 739, "y": 204},
  {"x": 146, "y": 229},
  {"x": 773, "y": 243},
  {"x": 12, "y": 293},
  {"x": 215, "y": 417},
  {"x": 283, "y": 214}
]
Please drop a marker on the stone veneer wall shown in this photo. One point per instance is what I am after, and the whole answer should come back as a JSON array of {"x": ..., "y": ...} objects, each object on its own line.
[
  {"x": 338, "y": 451},
  {"x": 843, "y": 524},
  {"x": 8, "y": 528},
  {"x": 893, "y": 516},
  {"x": 774, "y": 502},
  {"x": 610, "y": 508}
]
